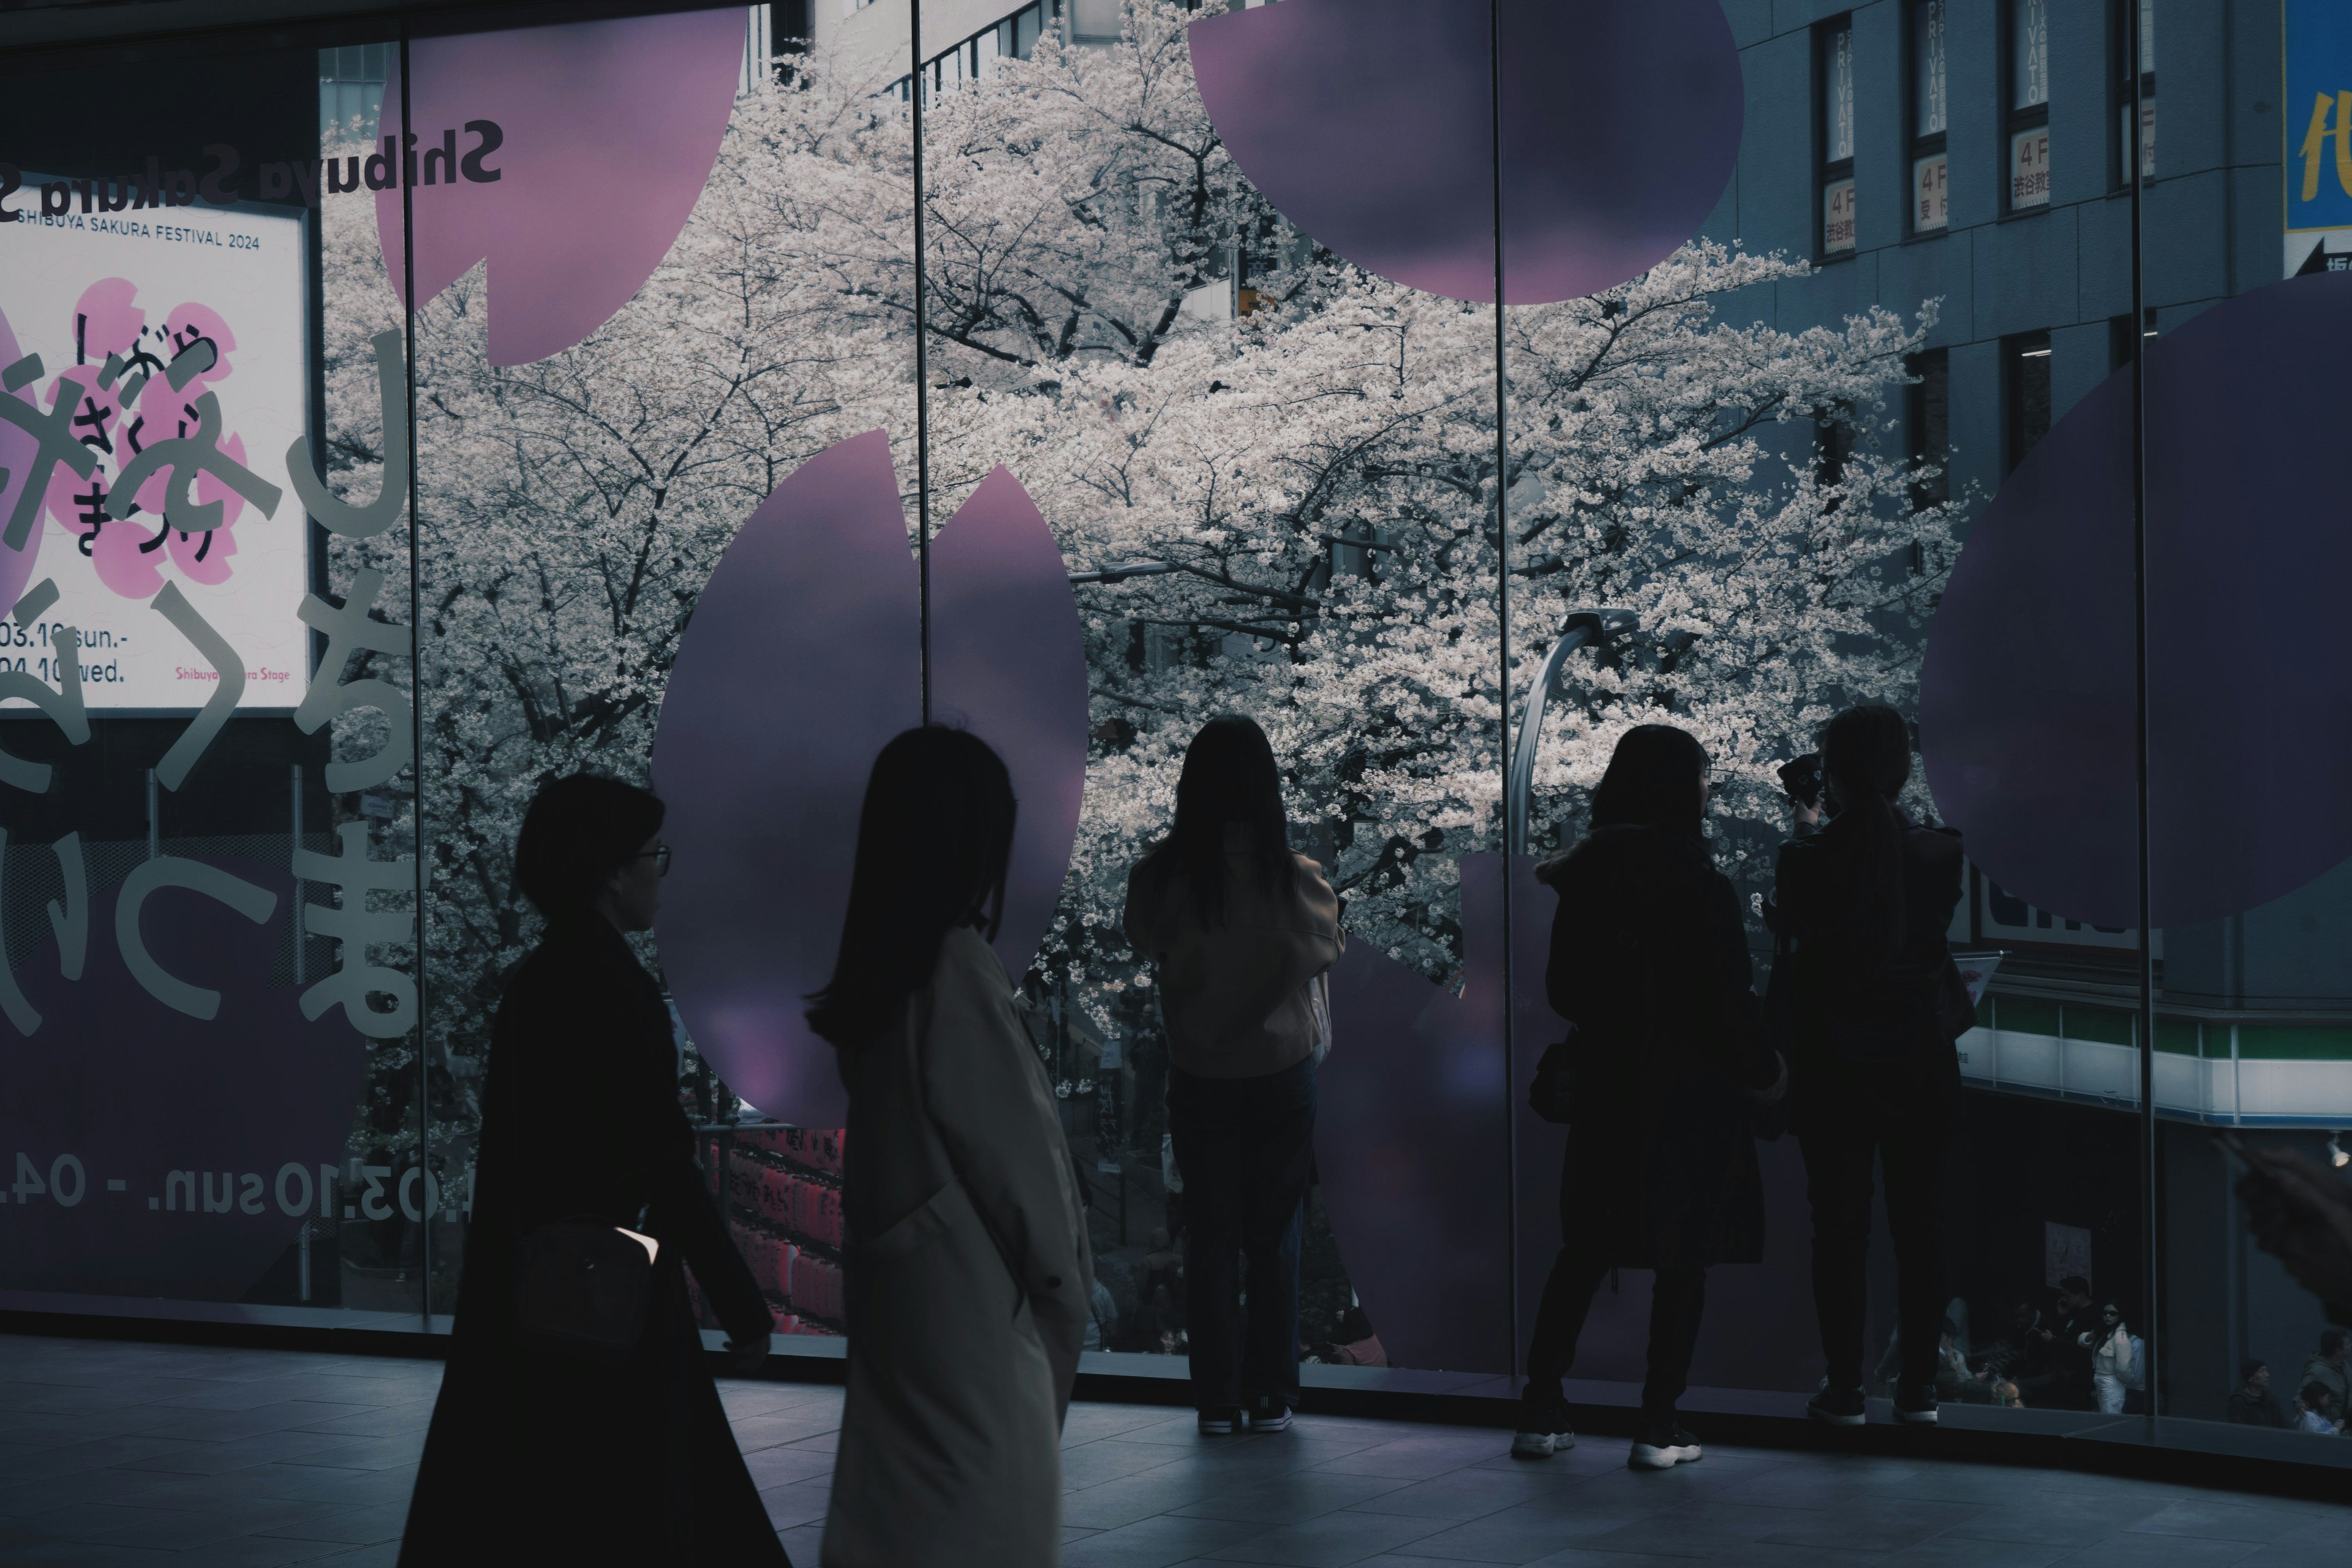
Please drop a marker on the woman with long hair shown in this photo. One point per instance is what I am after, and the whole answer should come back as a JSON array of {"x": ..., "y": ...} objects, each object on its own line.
[
  {"x": 541, "y": 1449},
  {"x": 1649, "y": 965},
  {"x": 1239, "y": 929},
  {"x": 967, "y": 1268},
  {"x": 1877, "y": 1007}
]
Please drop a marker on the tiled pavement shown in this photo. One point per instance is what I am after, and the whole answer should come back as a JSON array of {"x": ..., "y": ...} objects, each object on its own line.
[{"x": 124, "y": 1454}]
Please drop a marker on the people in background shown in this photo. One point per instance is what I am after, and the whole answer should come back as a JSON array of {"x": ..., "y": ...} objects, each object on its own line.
[
  {"x": 543, "y": 1453},
  {"x": 1102, "y": 1318},
  {"x": 2073, "y": 1329},
  {"x": 2318, "y": 1411},
  {"x": 2019, "y": 1360},
  {"x": 1956, "y": 1383},
  {"x": 2113, "y": 1361},
  {"x": 2252, "y": 1403},
  {"x": 1873, "y": 1008},
  {"x": 1649, "y": 962},
  {"x": 968, "y": 1277},
  {"x": 1238, "y": 928},
  {"x": 2327, "y": 1368}
]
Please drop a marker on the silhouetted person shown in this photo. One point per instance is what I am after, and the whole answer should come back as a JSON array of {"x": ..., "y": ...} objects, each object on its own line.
[
  {"x": 2114, "y": 1358},
  {"x": 1238, "y": 927},
  {"x": 1866, "y": 903},
  {"x": 2328, "y": 1367},
  {"x": 2252, "y": 1403},
  {"x": 968, "y": 1275},
  {"x": 2077, "y": 1326},
  {"x": 540, "y": 1455},
  {"x": 1649, "y": 962}
]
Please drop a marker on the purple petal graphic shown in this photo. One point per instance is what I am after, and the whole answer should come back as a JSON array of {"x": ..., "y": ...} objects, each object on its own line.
[
  {"x": 2026, "y": 700},
  {"x": 133, "y": 1091},
  {"x": 1009, "y": 663},
  {"x": 1369, "y": 123},
  {"x": 1409, "y": 1144},
  {"x": 607, "y": 131},
  {"x": 802, "y": 661},
  {"x": 17, "y": 450}
]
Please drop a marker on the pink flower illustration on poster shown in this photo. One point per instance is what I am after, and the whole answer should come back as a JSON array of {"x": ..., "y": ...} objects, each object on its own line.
[{"x": 138, "y": 385}]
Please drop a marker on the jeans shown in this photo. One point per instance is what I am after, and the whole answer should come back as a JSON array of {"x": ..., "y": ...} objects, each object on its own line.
[
  {"x": 1245, "y": 1147},
  {"x": 1676, "y": 1300},
  {"x": 1838, "y": 1180}
]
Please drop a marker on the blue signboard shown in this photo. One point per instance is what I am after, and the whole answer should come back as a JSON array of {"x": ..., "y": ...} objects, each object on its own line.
[{"x": 2318, "y": 136}]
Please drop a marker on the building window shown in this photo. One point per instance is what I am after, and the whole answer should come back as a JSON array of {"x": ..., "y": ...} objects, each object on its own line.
[
  {"x": 2119, "y": 338},
  {"x": 1931, "y": 207},
  {"x": 1930, "y": 418},
  {"x": 2026, "y": 365},
  {"x": 351, "y": 90},
  {"x": 2123, "y": 90},
  {"x": 1834, "y": 56},
  {"x": 2028, "y": 104}
]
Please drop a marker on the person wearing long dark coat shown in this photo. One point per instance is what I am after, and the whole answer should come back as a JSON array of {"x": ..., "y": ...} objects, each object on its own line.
[
  {"x": 1650, "y": 964},
  {"x": 539, "y": 1456}
]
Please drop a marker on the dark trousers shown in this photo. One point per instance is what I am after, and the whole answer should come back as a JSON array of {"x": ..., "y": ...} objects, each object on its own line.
[
  {"x": 1245, "y": 1147},
  {"x": 1838, "y": 1163},
  {"x": 1677, "y": 1299}
]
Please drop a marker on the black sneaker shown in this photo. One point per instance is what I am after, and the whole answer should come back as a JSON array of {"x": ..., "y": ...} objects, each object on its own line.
[
  {"x": 1843, "y": 1407},
  {"x": 1915, "y": 1404},
  {"x": 1268, "y": 1414},
  {"x": 1663, "y": 1447},
  {"x": 1223, "y": 1423},
  {"x": 1543, "y": 1431}
]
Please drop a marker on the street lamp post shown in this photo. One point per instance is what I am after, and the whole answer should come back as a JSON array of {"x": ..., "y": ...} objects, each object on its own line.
[{"x": 1581, "y": 628}]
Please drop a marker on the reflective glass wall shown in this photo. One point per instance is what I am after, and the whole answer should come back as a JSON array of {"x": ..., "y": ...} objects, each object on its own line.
[{"x": 706, "y": 396}]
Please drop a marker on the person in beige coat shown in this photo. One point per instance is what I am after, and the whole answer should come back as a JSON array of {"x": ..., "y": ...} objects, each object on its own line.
[
  {"x": 967, "y": 1264},
  {"x": 1239, "y": 930}
]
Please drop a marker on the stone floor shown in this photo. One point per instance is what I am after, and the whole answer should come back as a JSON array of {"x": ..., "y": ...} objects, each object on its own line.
[{"x": 124, "y": 1454}]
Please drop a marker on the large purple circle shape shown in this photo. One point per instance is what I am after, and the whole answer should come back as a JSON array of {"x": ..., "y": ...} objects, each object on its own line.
[
  {"x": 1371, "y": 126},
  {"x": 2027, "y": 702},
  {"x": 802, "y": 660}
]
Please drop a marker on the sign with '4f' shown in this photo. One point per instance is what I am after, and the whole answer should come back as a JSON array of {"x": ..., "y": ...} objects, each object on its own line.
[{"x": 2317, "y": 127}]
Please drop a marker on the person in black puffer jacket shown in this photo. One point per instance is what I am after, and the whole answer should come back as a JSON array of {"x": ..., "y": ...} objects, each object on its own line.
[{"x": 1650, "y": 964}]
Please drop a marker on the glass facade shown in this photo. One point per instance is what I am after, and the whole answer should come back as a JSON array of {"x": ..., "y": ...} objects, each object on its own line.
[{"x": 395, "y": 421}]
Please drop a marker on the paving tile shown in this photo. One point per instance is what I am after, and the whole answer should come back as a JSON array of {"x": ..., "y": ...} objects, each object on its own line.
[
  {"x": 385, "y": 1554},
  {"x": 1333, "y": 1540},
  {"x": 1860, "y": 1525},
  {"x": 803, "y": 1543},
  {"x": 368, "y": 1454},
  {"x": 356, "y": 1526},
  {"x": 1694, "y": 1529},
  {"x": 2060, "y": 1519},
  {"x": 1154, "y": 1543},
  {"x": 1465, "y": 1494},
  {"x": 1110, "y": 1504},
  {"x": 288, "y": 1447},
  {"x": 255, "y": 1552},
  {"x": 1088, "y": 1422},
  {"x": 2251, "y": 1520},
  {"x": 1959, "y": 1552},
  {"x": 1091, "y": 1464},
  {"x": 1513, "y": 1535},
  {"x": 83, "y": 1554},
  {"x": 221, "y": 1425},
  {"x": 1285, "y": 1499},
  {"x": 1419, "y": 1457},
  {"x": 798, "y": 1502},
  {"x": 781, "y": 1465},
  {"x": 2129, "y": 1550}
]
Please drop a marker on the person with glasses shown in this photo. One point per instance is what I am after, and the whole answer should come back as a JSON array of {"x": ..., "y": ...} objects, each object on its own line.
[{"x": 539, "y": 1453}]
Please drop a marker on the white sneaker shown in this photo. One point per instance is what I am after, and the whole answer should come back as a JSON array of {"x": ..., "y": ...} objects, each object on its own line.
[
  {"x": 1662, "y": 1450},
  {"x": 1541, "y": 1445}
]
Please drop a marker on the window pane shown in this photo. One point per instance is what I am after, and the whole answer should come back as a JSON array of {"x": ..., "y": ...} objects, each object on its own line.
[
  {"x": 1837, "y": 85},
  {"x": 2029, "y": 168},
  {"x": 1931, "y": 204},
  {"x": 2030, "y": 53},
  {"x": 1837, "y": 216},
  {"x": 1929, "y": 112},
  {"x": 2147, "y": 36}
]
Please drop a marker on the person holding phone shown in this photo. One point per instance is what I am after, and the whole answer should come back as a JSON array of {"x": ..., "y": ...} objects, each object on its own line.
[{"x": 1870, "y": 1020}]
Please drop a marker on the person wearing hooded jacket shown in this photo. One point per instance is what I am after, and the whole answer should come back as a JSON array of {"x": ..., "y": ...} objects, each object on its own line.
[
  {"x": 1650, "y": 964},
  {"x": 1865, "y": 903}
]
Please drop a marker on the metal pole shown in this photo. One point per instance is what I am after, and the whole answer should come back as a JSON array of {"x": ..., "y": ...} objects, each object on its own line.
[
  {"x": 300, "y": 977},
  {"x": 417, "y": 704},
  {"x": 1503, "y": 662},
  {"x": 922, "y": 364},
  {"x": 2151, "y": 1273}
]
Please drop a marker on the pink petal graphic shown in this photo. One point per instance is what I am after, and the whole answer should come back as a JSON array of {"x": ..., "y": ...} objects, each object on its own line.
[
  {"x": 1370, "y": 124},
  {"x": 802, "y": 661},
  {"x": 16, "y": 451},
  {"x": 608, "y": 131}
]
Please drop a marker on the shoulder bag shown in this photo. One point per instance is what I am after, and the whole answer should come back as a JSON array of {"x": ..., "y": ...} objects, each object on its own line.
[{"x": 582, "y": 1289}]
